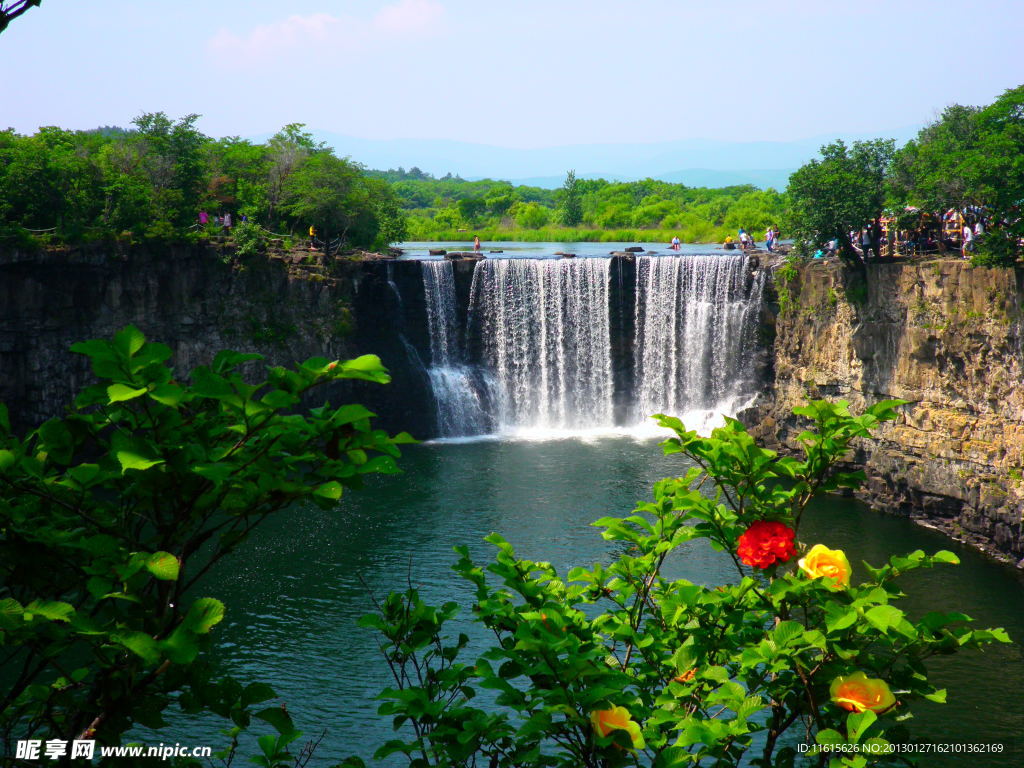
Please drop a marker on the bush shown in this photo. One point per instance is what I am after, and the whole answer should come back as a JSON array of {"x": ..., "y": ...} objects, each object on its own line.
[
  {"x": 111, "y": 516},
  {"x": 162, "y": 231},
  {"x": 616, "y": 665},
  {"x": 250, "y": 239},
  {"x": 995, "y": 250}
]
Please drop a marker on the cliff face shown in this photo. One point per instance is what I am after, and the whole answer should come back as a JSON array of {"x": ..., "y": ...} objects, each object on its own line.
[
  {"x": 199, "y": 301},
  {"x": 940, "y": 334},
  {"x": 946, "y": 337}
]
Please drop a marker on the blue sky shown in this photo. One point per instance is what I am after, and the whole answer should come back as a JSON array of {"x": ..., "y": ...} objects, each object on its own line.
[{"x": 522, "y": 74}]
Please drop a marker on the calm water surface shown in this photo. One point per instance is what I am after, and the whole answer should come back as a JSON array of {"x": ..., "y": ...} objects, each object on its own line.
[
  {"x": 520, "y": 250},
  {"x": 294, "y": 595}
]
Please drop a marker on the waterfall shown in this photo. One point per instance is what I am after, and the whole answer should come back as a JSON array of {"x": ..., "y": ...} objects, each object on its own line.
[
  {"x": 695, "y": 326},
  {"x": 534, "y": 353},
  {"x": 542, "y": 328},
  {"x": 459, "y": 389}
]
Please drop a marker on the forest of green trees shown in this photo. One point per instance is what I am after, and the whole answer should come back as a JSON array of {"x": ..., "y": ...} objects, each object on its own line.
[
  {"x": 150, "y": 182},
  {"x": 582, "y": 209}
]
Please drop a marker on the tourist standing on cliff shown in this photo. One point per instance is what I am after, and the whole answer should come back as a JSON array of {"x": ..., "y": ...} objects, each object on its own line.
[
  {"x": 968, "y": 244},
  {"x": 876, "y": 237},
  {"x": 769, "y": 239},
  {"x": 476, "y": 243},
  {"x": 865, "y": 242}
]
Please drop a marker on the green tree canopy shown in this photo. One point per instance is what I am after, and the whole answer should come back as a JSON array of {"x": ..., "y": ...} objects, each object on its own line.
[
  {"x": 840, "y": 192},
  {"x": 154, "y": 179},
  {"x": 972, "y": 157},
  {"x": 570, "y": 204}
]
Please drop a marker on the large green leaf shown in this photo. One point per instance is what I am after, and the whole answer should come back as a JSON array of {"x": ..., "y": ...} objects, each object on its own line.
[
  {"x": 51, "y": 609},
  {"x": 882, "y": 617},
  {"x": 163, "y": 565},
  {"x": 129, "y": 340},
  {"x": 203, "y": 614},
  {"x": 119, "y": 393},
  {"x": 140, "y": 644},
  {"x": 331, "y": 490},
  {"x": 278, "y": 718},
  {"x": 131, "y": 460},
  {"x": 168, "y": 394},
  {"x": 857, "y": 723},
  {"x": 182, "y": 647}
]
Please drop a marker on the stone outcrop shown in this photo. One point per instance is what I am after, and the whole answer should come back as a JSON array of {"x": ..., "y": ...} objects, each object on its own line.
[
  {"x": 940, "y": 334},
  {"x": 199, "y": 300}
]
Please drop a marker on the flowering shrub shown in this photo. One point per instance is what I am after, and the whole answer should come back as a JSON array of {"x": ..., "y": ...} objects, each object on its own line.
[{"x": 618, "y": 665}]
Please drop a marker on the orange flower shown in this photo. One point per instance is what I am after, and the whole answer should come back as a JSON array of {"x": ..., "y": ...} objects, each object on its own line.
[
  {"x": 765, "y": 543},
  {"x": 859, "y": 693},
  {"x": 616, "y": 719},
  {"x": 828, "y": 563}
]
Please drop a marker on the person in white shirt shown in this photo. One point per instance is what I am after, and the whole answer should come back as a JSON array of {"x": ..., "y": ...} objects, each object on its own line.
[
  {"x": 865, "y": 242},
  {"x": 968, "y": 244}
]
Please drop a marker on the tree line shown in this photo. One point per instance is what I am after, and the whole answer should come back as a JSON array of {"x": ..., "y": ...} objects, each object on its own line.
[
  {"x": 438, "y": 208},
  {"x": 151, "y": 182},
  {"x": 971, "y": 158}
]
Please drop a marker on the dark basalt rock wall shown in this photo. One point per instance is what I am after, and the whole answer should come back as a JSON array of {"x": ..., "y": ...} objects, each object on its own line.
[{"x": 191, "y": 300}]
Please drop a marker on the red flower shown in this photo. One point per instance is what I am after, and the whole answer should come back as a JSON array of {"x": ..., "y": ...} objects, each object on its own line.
[{"x": 765, "y": 543}]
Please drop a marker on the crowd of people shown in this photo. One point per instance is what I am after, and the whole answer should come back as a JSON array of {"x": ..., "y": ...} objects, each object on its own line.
[
  {"x": 222, "y": 221},
  {"x": 915, "y": 232}
]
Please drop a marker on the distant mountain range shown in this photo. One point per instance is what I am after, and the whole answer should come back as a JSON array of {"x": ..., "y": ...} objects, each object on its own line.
[{"x": 695, "y": 162}]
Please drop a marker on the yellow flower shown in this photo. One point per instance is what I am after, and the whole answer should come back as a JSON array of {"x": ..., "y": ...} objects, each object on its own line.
[
  {"x": 859, "y": 693},
  {"x": 616, "y": 719},
  {"x": 828, "y": 563}
]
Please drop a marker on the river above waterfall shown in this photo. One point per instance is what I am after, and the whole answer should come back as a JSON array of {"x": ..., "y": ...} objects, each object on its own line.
[
  {"x": 510, "y": 249},
  {"x": 296, "y": 590}
]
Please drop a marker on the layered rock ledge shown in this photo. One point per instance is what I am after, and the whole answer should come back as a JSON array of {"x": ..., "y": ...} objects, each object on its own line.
[{"x": 943, "y": 335}]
